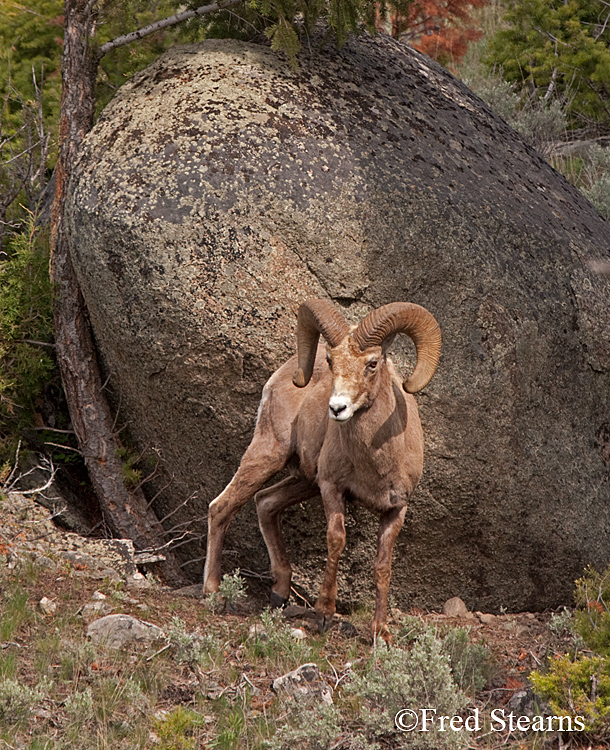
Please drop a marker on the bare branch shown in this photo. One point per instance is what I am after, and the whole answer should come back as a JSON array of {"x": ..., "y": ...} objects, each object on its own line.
[
  {"x": 163, "y": 24},
  {"x": 65, "y": 447},
  {"x": 177, "y": 508},
  {"x": 8, "y": 483},
  {"x": 36, "y": 343},
  {"x": 46, "y": 464},
  {"x": 53, "y": 429}
]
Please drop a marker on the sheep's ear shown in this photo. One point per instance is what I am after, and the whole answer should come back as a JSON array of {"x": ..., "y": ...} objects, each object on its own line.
[{"x": 387, "y": 343}]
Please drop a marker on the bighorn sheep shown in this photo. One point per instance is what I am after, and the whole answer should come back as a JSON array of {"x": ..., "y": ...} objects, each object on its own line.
[{"x": 353, "y": 427}]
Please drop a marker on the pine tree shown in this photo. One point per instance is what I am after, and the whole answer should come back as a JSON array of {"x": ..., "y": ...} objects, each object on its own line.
[{"x": 560, "y": 49}]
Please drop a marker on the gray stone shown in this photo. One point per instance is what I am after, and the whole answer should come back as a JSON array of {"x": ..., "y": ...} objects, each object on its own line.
[
  {"x": 347, "y": 629},
  {"x": 95, "y": 609},
  {"x": 193, "y": 592},
  {"x": 304, "y": 683},
  {"x": 138, "y": 582},
  {"x": 221, "y": 188},
  {"x": 118, "y": 631},
  {"x": 95, "y": 554},
  {"x": 526, "y": 703},
  {"x": 455, "y": 607}
]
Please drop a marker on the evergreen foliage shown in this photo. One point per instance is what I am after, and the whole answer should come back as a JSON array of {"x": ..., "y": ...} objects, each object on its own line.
[
  {"x": 25, "y": 318},
  {"x": 559, "y": 49},
  {"x": 578, "y": 684}
]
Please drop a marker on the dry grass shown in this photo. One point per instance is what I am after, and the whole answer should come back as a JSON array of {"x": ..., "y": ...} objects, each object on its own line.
[{"x": 211, "y": 687}]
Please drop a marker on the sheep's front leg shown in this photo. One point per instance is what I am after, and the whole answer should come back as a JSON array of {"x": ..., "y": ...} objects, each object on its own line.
[
  {"x": 334, "y": 506},
  {"x": 270, "y": 504},
  {"x": 390, "y": 525}
]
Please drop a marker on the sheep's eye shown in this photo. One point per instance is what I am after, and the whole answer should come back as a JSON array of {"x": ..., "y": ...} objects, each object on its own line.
[
  {"x": 330, "y": 363},
  {"x": 372, "y": 364}
]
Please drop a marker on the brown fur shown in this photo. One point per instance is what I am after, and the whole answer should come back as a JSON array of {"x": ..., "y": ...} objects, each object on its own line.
[{"x": 376, "y": 456}]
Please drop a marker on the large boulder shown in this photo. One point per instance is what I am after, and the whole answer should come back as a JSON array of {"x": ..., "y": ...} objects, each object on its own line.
[{"x": 221, "y": 187}]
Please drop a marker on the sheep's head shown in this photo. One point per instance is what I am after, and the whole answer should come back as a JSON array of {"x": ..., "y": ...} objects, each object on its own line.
[{"x": 357, "y": 355}]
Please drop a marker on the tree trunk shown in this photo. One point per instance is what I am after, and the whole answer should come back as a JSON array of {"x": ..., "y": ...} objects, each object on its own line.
[{"x": 125, "y": 512}]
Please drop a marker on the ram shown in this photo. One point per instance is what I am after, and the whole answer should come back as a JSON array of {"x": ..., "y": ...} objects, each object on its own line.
[{"x": 347, "y": 426}]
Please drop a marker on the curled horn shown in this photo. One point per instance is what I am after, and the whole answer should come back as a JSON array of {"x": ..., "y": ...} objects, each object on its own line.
[
  {"x": 316, "y": 316},
  {"x": 418, "y": 324}
]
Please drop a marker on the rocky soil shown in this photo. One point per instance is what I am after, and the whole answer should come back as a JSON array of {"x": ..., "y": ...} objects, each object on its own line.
[{"x": 82, "y": 589}]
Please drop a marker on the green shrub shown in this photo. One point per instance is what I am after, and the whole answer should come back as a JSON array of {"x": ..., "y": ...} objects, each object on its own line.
[
  {"x": 309, "y": 728},
  {"x": 231, "y": 589},
  {"x": 25, "y": 318},
  {"x": 471, "y": 663},
  {"x": 198, "y": 651},
  {"x": 577, "y": 687},
  {"x": 276, "y": 645},
  {"x": 178, "y": 729},
  {"x": 579, "y": 684},
  {"x": 395, "y": 679},
  {"x": 17, "y": 700},
  {"x": 592, "y": 616},
  {"x": 541, "y": 123}
]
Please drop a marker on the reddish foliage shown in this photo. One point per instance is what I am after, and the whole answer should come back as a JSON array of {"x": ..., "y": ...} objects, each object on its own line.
[{"x": 442, "y": 29}]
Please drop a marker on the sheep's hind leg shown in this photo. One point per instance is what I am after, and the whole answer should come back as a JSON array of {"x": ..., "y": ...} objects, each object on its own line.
[
  {"x": 260, "y": 462},
  {"x": 390, "y": 525},
  {"x": 270, "y": 504}
]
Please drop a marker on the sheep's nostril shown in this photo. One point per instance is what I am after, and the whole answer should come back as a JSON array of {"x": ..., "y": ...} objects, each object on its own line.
[{"x": 336, "y": 410}]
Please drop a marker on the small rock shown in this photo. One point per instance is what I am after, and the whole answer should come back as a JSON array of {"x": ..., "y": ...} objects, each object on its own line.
[
  {"x": 295, "y": 610},
  {"x": 117, "y": 631},
  {"x": 109, "y": 574},
  {"x": 304, "y": 683},
  {"x": 97, "y": 596},
  {"x": 522, "y": 703},
  {"x": 347, "y": 629},
  {"x": 42, "y": 561},
  {"x": 78, "y": 558},
  {"x": 47, "y": 606},
  {"x": 195, "y": 591},
  {"x": 486, "y": 619},
  {"x": 138, "y": 581},
  {"x": 95, "y": 609},
  {"x": 455, "y": 607},
  {"x": 298, "y": 633},
  {"x": 512, "y": 626}
]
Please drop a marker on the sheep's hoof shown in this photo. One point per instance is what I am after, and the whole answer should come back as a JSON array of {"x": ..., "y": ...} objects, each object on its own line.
[
  {"x": 277, "y": 601},
  {"x": 324, "y": 622},
  {"x": 381, "y": 631}
]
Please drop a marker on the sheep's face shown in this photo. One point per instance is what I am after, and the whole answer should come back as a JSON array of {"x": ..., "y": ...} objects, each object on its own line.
[{"x": 356, "y": 377}]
